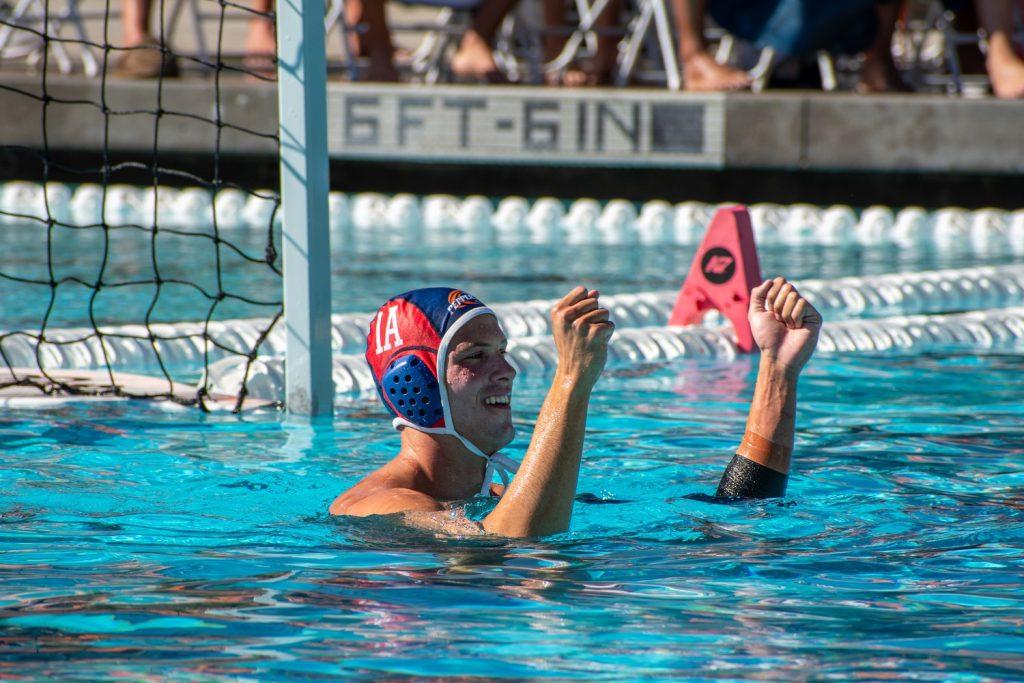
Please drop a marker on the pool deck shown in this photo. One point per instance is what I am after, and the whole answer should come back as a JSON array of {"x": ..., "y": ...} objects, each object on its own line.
[
  {"x": 30, "y": 387},
  {"x": 399, "y": 131}
]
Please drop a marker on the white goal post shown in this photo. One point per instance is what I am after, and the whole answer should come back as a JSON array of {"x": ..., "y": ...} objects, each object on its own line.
[{"x": 302, "y": 98}]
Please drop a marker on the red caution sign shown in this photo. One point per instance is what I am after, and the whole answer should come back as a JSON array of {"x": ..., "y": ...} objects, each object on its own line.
[{"x": 723, "y": 272}]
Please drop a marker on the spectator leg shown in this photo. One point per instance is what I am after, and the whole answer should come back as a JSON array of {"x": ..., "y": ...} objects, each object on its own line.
[
  {"x": 475, "y": 57},
  {"x": 1005, "y": 68},
  {"x": 555, "y": 36},
  {"x": 878, "y": 73},
  {"x": 375, "y": 43},
  {"x": 261, "y": 43},
  {"x": 135, "y": 22},
  {"x": 607, "y": 45},
  {"x": 149, "y": 61},
  {"x": 700, "y": 70}
]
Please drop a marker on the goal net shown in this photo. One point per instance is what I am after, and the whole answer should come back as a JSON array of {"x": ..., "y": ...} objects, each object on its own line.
[{"x": 140, "y": 246}]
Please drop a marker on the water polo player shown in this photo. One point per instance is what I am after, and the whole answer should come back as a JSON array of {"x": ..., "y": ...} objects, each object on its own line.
[{"x": 437, "y": 356}]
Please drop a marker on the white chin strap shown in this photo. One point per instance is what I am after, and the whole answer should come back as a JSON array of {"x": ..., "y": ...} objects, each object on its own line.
[
  {"x": 503, "y": 465},
  {"x": 496, "y": 462}
]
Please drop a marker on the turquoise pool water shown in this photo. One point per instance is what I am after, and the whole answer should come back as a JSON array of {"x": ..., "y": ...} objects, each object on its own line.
[
  {"x": 145, "y": 541},
  {"x": 142, "y": 541}
]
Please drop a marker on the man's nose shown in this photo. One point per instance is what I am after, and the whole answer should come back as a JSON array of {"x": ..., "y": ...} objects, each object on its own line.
[{"x": 505, "y": 369}]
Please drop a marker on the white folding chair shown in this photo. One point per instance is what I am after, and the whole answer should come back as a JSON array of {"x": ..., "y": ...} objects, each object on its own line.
[
  {"x": 649, "y": 27},
  {"x": 29, "y": 45},
  {"x": 652, "y": 15},
  {"x": 933, "y": 17}
]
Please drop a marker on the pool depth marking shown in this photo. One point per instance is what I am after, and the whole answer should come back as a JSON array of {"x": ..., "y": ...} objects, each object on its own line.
[{"x": 526, "y": 125}]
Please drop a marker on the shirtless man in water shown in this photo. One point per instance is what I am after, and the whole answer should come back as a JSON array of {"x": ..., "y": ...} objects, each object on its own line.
[{"x": 438, "y": 356}]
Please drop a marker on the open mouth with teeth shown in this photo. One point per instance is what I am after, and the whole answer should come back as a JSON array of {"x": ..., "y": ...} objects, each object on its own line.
[{"x": 498, "y": 401}]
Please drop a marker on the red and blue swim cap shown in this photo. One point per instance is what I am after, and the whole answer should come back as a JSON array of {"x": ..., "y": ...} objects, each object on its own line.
[{"x": 407, "y": 349}]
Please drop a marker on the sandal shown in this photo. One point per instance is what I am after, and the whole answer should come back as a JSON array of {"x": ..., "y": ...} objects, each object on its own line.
[{"x": 146, "y": 60}]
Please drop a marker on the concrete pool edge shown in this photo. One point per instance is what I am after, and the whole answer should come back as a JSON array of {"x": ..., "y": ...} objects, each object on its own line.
[{"x": 634, "y": 143}]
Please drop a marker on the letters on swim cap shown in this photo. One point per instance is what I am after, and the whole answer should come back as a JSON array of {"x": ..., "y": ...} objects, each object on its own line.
[{"x": 407, "y": 348}]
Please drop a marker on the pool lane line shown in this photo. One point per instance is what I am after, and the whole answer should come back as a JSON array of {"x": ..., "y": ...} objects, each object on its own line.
[
  {"x": 992, "y": 330},
  {"x": 182, "y": 345}
]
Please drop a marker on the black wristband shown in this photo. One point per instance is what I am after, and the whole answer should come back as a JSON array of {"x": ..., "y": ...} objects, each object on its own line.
[{"x": 745, "y": 478}]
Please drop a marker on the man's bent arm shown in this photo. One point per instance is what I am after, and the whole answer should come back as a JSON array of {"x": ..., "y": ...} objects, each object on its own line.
[
  {"x": 539, "y": 500},
  {"x": 785, "y": 327}
]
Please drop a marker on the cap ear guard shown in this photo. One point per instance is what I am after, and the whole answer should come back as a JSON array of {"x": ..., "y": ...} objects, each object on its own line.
[{"x": 411, "y": 391}]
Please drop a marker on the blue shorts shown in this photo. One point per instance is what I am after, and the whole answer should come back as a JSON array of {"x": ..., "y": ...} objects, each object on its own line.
[{"x": 800, "y": 27}]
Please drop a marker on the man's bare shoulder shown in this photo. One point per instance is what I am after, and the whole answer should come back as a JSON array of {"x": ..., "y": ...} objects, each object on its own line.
[
  {"x": 385, "y": 502},
  {"x": 387, "y": 490}
]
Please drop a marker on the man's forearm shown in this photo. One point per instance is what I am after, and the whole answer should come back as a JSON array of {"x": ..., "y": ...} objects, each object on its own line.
[
  {"x": 760, "y": 468},
  {"x": 785, "y": 327},
  {"x": 539, "y": 499},
  {"x": 768, "y": 439}
]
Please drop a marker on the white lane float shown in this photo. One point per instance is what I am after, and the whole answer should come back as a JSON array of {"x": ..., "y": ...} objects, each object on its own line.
[
  {"x": 974, "y": 331},
  {"x": 130, "y": 347}
]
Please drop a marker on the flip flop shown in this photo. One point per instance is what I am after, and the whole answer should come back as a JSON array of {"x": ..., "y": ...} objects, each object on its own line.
[
  {"x": 491, "y": 77},
  {"x": 146, "y": 61}
]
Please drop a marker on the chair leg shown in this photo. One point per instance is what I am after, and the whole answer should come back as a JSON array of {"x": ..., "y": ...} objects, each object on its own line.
[
  {"x": 89, "y": 64},
  {"x": 762, "y": 71},
  {"x": 64, "y": 63},
  {"x": 633, "y": 42},
  {"x": 197, "y": 19},
  {"x": 588, "y": 17},
  {"x": 7, "y": 29},
  {"x": 52, "y": 24},
  {"x": 667, "y": 45},
  {"x": 725, "y": 49},
  {"x": 505, "y": 57},
  {"x": 827, "y": 69},
  {"x": 952, "y": 58},
  {"x": 426, "y": 59}
]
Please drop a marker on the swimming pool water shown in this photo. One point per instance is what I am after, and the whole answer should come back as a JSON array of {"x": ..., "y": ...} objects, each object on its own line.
[{"x": 137, "y": 540}]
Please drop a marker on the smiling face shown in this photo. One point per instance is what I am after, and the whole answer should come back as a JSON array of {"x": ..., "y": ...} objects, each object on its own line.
[{"x": 479, "y": 381}]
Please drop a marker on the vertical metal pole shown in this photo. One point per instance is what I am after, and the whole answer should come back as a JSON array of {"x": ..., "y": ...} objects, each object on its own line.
[{"x": 302, "y": 103}]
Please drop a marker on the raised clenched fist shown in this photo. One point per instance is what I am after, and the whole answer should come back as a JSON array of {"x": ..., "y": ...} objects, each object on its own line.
[
  {"x": 581, "y": 329},
  {"x": 785, "y": 325}
]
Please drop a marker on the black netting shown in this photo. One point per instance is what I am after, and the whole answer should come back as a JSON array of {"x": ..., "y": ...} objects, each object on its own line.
[{"x": 134, "y": 259}]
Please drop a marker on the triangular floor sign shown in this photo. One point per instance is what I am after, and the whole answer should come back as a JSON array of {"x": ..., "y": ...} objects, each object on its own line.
[{"x": 724, "y": 270}]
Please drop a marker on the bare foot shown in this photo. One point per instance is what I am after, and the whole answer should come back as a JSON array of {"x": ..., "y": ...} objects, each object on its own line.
[
  {"x": 703, "y": 74},
  {"x": 580, "y": 77},
  {"x": 475, "y": 60},
  {"x": 1007, "y": 75},
  {"x": 571, "y": 77},
  {"x": 599, "y": 71},
  {"x": 879, "y": 74},
  {"x": 145, "y": 59}
]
